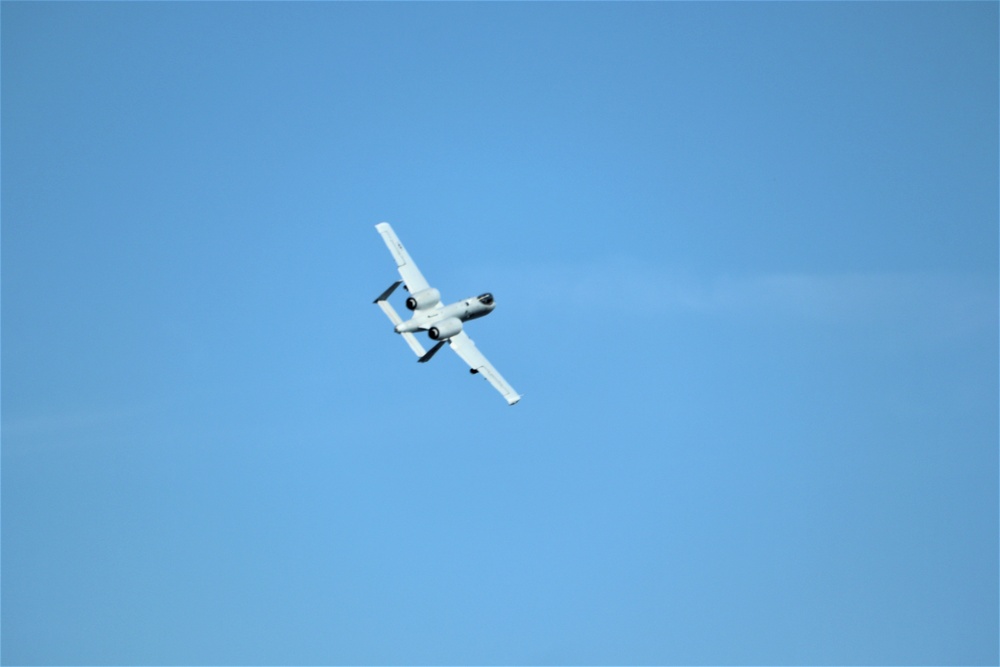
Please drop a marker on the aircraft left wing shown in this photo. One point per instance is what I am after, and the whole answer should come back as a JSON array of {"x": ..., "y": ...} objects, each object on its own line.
[
  {"x": 470, "y": 354},
  {"x": 411, "y": 275}
]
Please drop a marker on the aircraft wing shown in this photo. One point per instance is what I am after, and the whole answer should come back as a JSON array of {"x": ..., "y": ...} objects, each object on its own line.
[
  {"x": 411, "y": 275},
  {"x": 465, "y": 348}
]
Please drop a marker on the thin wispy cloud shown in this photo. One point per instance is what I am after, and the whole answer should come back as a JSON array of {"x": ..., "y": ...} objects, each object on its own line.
[
  {"x": 937, "y": 304},
  {"x": 68, "y": 427}
]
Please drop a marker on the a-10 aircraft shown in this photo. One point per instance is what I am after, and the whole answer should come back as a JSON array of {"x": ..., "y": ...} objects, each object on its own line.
[{"x": 443, "y": 323}]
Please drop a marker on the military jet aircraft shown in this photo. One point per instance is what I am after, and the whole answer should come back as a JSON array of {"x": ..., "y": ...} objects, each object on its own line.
[{"x": 443, "y": 323}]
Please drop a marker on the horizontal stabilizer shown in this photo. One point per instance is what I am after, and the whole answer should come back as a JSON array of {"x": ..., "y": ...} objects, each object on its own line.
[{"x": 408, "y": 337}]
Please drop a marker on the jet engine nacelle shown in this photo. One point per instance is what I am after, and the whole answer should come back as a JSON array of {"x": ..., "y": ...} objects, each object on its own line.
[
  {"x": 425, "y": 298},
  {"x": 445, "y": 329}
]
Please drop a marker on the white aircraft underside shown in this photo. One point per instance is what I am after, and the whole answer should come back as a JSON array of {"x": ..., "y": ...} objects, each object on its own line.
[{"x": 443, "y": 323}]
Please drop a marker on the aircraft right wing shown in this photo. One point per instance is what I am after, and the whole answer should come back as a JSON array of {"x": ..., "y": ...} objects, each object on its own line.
[
  {"x": 411, "y": 275},
  {"x": 465, "y": 348}
]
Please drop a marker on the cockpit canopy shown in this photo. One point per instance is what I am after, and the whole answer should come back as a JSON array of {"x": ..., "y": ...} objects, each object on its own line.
[{"x": 486, "y": 299}]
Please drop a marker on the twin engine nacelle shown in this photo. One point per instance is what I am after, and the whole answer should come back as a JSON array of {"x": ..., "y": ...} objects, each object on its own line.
[
  {"x": 425, "y": 298},
  {"x": 445, "y": 329}
]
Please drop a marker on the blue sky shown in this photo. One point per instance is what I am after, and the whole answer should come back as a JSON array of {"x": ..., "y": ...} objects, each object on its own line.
[{"x": 745, "y": 259}]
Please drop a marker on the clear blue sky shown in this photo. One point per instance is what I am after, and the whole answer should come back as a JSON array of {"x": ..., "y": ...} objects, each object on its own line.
[{"x": 746, "y": 265}]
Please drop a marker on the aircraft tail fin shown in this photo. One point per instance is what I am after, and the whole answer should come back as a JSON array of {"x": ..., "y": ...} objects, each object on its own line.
[{"x": 431, "y": 352}]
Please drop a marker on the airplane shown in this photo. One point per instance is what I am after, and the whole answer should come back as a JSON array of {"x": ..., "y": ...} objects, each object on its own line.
[{"x": 443, "y": 323}]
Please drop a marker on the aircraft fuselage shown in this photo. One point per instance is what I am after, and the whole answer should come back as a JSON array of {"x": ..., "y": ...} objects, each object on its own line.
[{"x": 465, "y": 310}]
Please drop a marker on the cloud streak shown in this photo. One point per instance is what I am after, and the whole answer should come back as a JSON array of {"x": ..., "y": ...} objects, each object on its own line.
[{"x": 935, "y": 304}]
